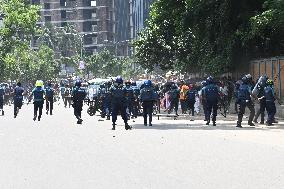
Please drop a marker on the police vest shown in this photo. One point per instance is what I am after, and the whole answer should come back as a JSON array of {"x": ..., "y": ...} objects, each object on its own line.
[
  {"x": 147, "y": 94},
  {"x": 269, "y": 94},
  {"x": 38, "y": 94},
  {"x": 49, "y": 92},
  {"x": 18, "y": 93},
  {"x": 191, "y": 95},
  {"x": 79, "y": 94},
  {"x": 244, "y": 92},
  {"x": 129, "y": 93},
  {"x": 211, "y": 93},
  {"x": 118, "y": 92}
]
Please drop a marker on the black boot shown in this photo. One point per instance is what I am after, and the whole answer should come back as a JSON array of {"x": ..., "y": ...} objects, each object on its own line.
[
  {"x": 214, "y": 123},
  {"x": 113, "y": 126},
  {"x": 239, "y": 125},
  {"x": 251, "y": 124},
  {"x": 208, "y": 122},
  {"x": 33, "y": 118},
  {"x": 127, "y": 127}
]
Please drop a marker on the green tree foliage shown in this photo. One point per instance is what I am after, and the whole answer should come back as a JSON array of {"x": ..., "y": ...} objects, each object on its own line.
[
  {"x": 19, "y": 23},
  {"x": 214, "y": 36},
  {"x": 106, "y": 64},
  {"x": 26, "y": 65},
  {"x": 18, "y": 60}
]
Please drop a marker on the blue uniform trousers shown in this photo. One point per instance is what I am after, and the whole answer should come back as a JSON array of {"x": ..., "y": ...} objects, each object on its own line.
[
  {"x": 211, "y": 107},
  {"x": 116, "y": 108},
  {"x": 271, "y": 111}
]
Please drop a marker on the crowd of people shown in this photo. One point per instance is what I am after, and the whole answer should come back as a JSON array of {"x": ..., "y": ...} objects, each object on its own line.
[{"x": 131, "y": 98}]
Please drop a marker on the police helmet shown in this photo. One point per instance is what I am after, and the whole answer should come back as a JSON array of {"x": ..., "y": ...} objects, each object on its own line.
[
  {"x": 245, "y": 79},
  {"x": 203, "y": 83},
  {"x": 128, "y": 82},
  {"x": 39, "y": 83},
  {"x": 78, "y": 83},
  {"x": 210, "y": 79},
  {"x": 119, "y": 80},
  {"x": 269, "y": 82},
  {"x": 148, "y": 83},
  {"x": 249, "y": 77}
]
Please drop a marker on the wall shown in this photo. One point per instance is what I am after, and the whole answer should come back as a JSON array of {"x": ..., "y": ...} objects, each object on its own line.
[{"x": 273, "y": 68}]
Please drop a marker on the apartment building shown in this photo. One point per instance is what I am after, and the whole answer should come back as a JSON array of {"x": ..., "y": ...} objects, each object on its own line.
[{"x": 80, "y": 13}]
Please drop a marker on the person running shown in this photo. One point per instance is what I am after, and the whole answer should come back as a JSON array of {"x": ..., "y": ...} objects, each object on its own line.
[
  {"x": 18, "y": 98},
  {"x": 78, "y": 96},
  {"x": 49, "y": 91},
  {"x": 38, "y": 96}
]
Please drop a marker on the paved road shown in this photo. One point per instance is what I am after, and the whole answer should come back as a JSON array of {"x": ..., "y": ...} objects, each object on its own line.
[{"x": 57, "y": 154}]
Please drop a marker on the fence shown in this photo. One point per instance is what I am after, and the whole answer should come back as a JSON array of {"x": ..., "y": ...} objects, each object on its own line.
[{"x": 273, "y": 68}]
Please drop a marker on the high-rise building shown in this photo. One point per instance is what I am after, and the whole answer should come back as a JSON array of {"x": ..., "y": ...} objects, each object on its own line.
[
  {"x": 140, "y": 14},
  {"x": 105, "y": 25},
  {"x": 80, "y": 13}
]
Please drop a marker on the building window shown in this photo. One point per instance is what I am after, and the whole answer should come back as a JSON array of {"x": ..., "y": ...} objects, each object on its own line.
[
  {"x": 46, "y": 5},
  {"x": 63, "y": 14},
  {"x": 63, "y": 3},
  {"x": 47, "y": 18},
  {"x": 93, "y": 3},
  {"x": 63, "y": 24}
]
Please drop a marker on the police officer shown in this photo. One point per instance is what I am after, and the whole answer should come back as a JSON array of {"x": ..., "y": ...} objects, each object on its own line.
[
  {"x": 2, "y": 93},
  {"x": 191, "y": 94},
  {"x": 49, "y": 95},
  {"x": 269, "y": 96},
  {"x": 118, "y": 97},
  {"x": 129, "y": 99},
  {"x": 259, "y": 90},
  {"x": 38, "y": 94},
  {"x": 244, "y": 100},
  {"x": 78, "y": 96},
  {"x": 107, "y": 103},
  {"x": 174, "y": 98},
  {"x": 18, "y": 98},
  {"x": 202, "y": 97},
  {"x": 211, "y": 94},
  {"x": 148, "y": 97},
  {"x": 136, "y": 105}
]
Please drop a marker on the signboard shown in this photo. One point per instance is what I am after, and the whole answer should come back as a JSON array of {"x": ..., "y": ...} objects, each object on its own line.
[{"x": 81, "y": 65}]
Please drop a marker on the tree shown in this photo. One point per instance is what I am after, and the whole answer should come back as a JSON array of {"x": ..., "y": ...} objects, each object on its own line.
[
  {"x": 214, "y": 36},
  {"x": 19, "y": 25}
]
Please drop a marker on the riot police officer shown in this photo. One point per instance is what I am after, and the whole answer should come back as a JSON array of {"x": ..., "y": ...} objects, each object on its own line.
[
  {"x": 2, "y": 93},
  {"x": 211, "y": 94},
  {"x": 18, "y": 98},
  {"x": 269, "y": 95},
  {"x": 38, "y": 94},
  {"x": 258, "y": 92},
  {"x": 118, "y": 97},
  {"x": 136, "y": 105},
  {"x": 148, "y": 97},
  {"x": 244, "y": 100},
  {"x": 129, "y": 99},
  {"x": 78, "y": 96},
  {"x": 49, "y": 91},
  {"x": 174, "y": 98}
]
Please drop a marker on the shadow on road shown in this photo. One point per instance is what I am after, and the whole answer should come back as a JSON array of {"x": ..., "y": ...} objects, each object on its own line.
[{"x": 188, "y": 125}]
